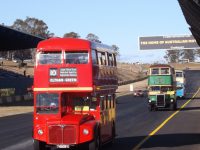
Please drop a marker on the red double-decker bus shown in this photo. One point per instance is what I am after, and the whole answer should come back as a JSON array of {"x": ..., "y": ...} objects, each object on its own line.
[{"x": 74, "y": 94}]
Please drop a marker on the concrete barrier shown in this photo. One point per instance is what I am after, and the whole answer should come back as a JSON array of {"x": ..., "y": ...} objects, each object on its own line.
[{"x": 11, "y": 100}]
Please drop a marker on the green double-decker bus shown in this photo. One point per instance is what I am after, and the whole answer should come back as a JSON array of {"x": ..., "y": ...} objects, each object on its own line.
[{"x": 161, "y": 87}]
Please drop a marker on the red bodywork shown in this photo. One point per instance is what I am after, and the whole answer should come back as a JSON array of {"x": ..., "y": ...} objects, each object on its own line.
[
  {"x": 67, "y": 124},
  {"x": 84, "y": 76}
]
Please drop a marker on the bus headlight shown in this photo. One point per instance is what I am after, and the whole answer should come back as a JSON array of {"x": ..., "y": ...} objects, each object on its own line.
[
  {"x": 172, "y": 100},
  {"x": 40, "y": 132},
  {"x": 149, "y": 101},
  {"x": 85, "y": 131}
]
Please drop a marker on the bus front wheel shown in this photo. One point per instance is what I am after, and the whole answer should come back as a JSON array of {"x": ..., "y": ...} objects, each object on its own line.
[
  {"x": 173, "y": 106},
  {"x": 152, "y": 107},
  {"x": 95, "y": 144},
  {"x": 38, "y": 145}
]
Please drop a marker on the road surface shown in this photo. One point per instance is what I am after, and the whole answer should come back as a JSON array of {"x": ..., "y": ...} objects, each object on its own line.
[{"x": 137, "y": 128}]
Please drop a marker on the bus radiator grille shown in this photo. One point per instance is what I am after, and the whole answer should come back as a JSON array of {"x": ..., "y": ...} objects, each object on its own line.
[
  {"x": 62, "y": 134},
  {"x": 69, "y": 135},
  {"x": 160, "y": 100}
]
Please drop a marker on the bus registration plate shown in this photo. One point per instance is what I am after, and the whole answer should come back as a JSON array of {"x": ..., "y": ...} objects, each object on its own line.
[{"x": 62, "y": 146}]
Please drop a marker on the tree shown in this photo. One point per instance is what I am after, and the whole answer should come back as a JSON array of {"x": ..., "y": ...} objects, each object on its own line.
[
  {"x": 22, "y": 54},
  {"x": 172, "y": 55},
  {"x": 189, "y": 54},
  {"x": 93, "y": 37},
  {"x": 116, "y": 49},
  {"x": 71, "y": 35},
  {"x": 197, "y": 51},
  {"x": 32, "y": 26},
  {"x": 3, "y": 54}
]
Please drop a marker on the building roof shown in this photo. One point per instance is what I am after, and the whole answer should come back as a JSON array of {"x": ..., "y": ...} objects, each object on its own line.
[{"x": 11, "y": 39}]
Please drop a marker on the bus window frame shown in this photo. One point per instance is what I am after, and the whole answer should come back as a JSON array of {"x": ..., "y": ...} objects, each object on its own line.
[
  {"x": 168, "y": 69},
  {"x": 182, "y": 75},
  {"x": 94, "y": 55},
  {"x": 77, "y": 51},
  {"x": 158, "y": 69},
  {"x": 102, "y": 99},
  {"x": 114, "y": 100},
  {"x": 58, "y": 104},
  {"x": 110, "y": 59},
  {"x": 38, "y": 55},
  {"x": 110, "y": 101}
]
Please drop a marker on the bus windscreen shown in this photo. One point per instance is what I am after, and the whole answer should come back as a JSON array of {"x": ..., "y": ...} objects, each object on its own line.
[{"x": 47, "y": 103}]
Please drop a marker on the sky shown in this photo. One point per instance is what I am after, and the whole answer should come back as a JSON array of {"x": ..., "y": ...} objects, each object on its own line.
[{"x": 113, "y": 21}]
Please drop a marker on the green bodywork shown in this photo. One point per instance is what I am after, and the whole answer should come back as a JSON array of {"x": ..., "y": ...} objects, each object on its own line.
[
  {"x": 160, "y": 80},
  {"x": 168, "y": 97}
]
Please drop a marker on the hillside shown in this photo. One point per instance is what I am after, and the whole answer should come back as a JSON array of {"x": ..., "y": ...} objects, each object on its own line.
[
  {"x": 126, "y": 72},
  {"x": 129, "y": 72}
]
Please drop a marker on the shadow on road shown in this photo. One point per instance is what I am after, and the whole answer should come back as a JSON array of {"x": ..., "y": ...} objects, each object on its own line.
[
  {"x": 22, "y": 103},
  {"x": 164, "y": 140},
  {"x": 190, "y": 108}
]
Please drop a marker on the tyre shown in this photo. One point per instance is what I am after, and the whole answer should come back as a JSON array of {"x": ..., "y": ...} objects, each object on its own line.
[
  {"x": 150, "y": 108},
  {"x": 155, "y": 108},
  {"x": 113, "y": 135},
  {"x": 38, "y": 145},
  {"x": 173, "y": 106},
  {"x": 95, "y": 144}
]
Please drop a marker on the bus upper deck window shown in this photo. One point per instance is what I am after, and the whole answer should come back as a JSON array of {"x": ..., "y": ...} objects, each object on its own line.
[
  {"x": 155, "y": 71},
  {"x": 94, "y": 57},
  {"x": 76, "y": 57},
  {"x": 164, "y": 70},
  {"x": 110, "y": 60},
  {"x": 179, "y": 74},
  {"x": 50, "y": 58}
]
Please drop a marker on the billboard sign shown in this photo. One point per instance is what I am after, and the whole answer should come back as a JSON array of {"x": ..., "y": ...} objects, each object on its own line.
[{"x": 168, "y": 42}]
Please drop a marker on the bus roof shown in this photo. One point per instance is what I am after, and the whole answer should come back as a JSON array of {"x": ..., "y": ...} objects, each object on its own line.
[
  {"x": 179, "y": 71},
  {"x": 53, "y": 44},
  {"x": 63, "y": 43},
  {"x": 160, "y": 65},
  {"x": 102, "y": 47}
]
